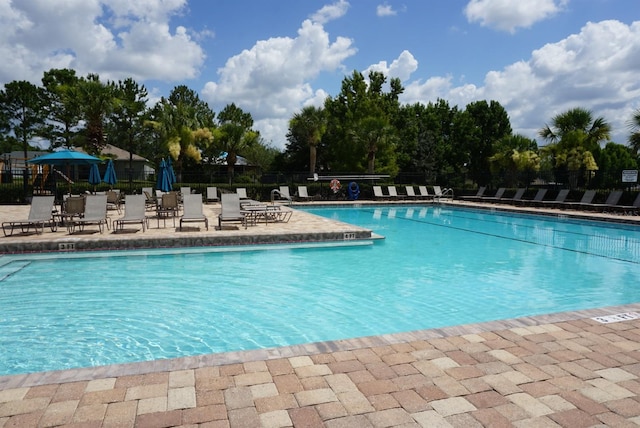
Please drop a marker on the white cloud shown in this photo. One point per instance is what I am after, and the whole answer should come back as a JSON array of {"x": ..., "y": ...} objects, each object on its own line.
[
  {"x": 270, "y": 80},
  {"x": 595, "y": 69},
  {"x": 507, "y": 15},
  {"x": 115, "y": 38},
  {"x": 330, "y": 12},
  {"x": 401, "y": 67},
  {"x": 385, "y": 10}
]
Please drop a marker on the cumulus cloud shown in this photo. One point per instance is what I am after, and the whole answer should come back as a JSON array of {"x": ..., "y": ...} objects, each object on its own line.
[
  {"x": 507, "y": 15},
  {"x": 385, "y": 10},
  {"x": 401, "y": 67},
  {"x": 330, "y": 12},
  {"x": 271, "y": 80},
  {"x": 116, "y": 39},
  {"x": 594, "y": 69}
]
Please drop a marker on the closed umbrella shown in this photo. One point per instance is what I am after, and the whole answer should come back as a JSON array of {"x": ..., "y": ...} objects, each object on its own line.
[
  {"x": 65, "y": 158},
  {"x": 164, "y": 181},
  {"x": 94, "y": 176},
  {"x": 110, "y": 174}
]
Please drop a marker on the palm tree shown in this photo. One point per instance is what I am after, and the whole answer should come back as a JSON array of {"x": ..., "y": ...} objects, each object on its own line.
[
  {"x": 577, "y": 120},
  {"x": 634, "y": 138},
  {"x": 309, "y": 126},
  {"x": 235, "y": 134}
]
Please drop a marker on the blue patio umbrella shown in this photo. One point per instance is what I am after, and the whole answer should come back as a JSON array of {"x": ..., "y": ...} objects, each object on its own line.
[
  {"x": 94, "y": 176},
  {"x": 172, "y": 174},
  {"x": 65, "y": 158},
  {"x": 164, "y": 181},
  {"x": 110, "y": 174}
]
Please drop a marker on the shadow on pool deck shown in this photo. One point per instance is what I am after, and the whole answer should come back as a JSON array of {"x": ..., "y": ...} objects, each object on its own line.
[{"x": 563, "y": 369}]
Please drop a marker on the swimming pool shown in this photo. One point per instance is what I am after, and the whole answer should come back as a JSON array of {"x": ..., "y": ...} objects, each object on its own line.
[{"x": 437, "y": 266}]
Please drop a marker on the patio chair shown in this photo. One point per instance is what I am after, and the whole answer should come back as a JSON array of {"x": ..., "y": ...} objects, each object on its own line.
[
  {"x": 134, "y": 213},
  {"x": 439, "y": 193},
  {"x": 536, "y": 199},
  {"x": 393, "y": 192},
  {"x": 284, "y": 193},
  {"x": 629, "y": 209},
  {"x": 516, "y": 197},
  {"x": 95, "y": 213},
  {"x": 477, "y": 196},
  {"x": 40, "y": 214},
  {"x": 495, "y": 197},
  {"x": 192, "y": 206},
  {"x": 212, "y": 194},
  {"x": 611, "y": 202},
  {"x": 303, "y": 194},
  {"x": 558, "y": 201},
  {"x": 424, "y": 192},
  {"x": 377, "y": 192},
  {"x": 411, "y": 193},
  {"x": 150, "y": 202},
  {"x": 242, "y": 193},
  {"x": 587, "y": 198},
  {"x": 72, "y": 207},
  {"x": 230, "y": 210},
  {"x": 114, "y": 200}
]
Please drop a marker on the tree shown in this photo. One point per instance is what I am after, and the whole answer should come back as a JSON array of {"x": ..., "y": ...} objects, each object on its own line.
[
  {"x": 234, "y": 134},
  {"x": 515, "y": 155},
  {"x": 634, "y": 137},
  {"x": 308, "y": 127},
  {"x": 128, "y": 117},
  {"x": 182, "y": 125},
  {"x": 63, "y": 107},
  {"x": 575, "y": 138},
  {"x": 23, "y": 113},
  {"x": 96, "y": 100},
  {"x": 490, "y": 123}
]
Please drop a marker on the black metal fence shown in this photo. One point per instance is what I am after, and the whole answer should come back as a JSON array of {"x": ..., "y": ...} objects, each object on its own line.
[{"x": 16, "y": 186}]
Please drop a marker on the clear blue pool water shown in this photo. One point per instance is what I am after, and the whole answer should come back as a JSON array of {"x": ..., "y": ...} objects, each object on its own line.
[{"x": 436, "y": 267}]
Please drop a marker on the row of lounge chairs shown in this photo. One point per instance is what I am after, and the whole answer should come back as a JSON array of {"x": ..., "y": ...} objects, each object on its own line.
[
  {"x": 423, "y": 193},
  {"x": 560, "y": 201}
]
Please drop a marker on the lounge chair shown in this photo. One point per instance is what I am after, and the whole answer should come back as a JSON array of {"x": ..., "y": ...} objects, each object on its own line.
[
  {"x": 134, "y": 213},
  {"x": 185, "y": 191},
  {"x": 516, "y": 197},
  {"x": 193, "y": 210},
  {"x": 410, "y": 192},
  {"x": 393, "y": 192},
  {"x": 611, "y": 202},
  {"x": 536, "y": 199},
  {"x": 587, "y": 198},
  {"x": 629, "y": 209},
  {"x": 113, "y": 200},
  {"x": 377, "y": 192},
  {"x": 95, "y": 213},
  {"x": 424, "y": 193},
  {"x": 495, "y": 197},
  {"x": 558, "y": 201},
  {"x": 242, "y": 193},
  {"x": 230, "y": 203},
  {"x": 303, "y": 194},
  {"x": 439, "y": 193},
  {"x": 149, "y": 201},
  {"x": 478, "y": 194},
  {"x": 212, "y": 194},
  {"x": 40, "y": 214},
  {"x": 284, "y": 193}
]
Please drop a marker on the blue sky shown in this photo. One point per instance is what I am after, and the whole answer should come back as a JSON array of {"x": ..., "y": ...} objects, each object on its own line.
[{"x": 537, "y": 58}]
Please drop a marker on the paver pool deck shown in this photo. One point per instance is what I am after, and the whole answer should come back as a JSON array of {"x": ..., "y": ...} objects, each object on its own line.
[{"x": 563, "y": 369}]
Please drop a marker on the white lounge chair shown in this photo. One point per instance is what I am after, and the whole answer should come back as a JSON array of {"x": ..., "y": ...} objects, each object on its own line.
[
  {"x": 40, "y": 214},
  {"x": 439, "y": 193},
  {"x": 242, "y": 193},
  {"x": 393, "y": 192},
  {"x": 303, "y": 194},
  {"x": 424, "y": 193},
  {"x": 192, "y": 206},
  {"x": 212, "y": 194},
  {"x": 377, "y": 192},
  {"x": 410, "y": 192},
  {"x": 230, "y": 211},
  {"x": 95, "y": 213},
  {"x": 284, "y": 192},
  {"x": 134, "y": 213}
]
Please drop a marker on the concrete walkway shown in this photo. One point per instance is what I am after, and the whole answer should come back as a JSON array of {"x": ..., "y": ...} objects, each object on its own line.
[{"x": 566, "y": 369}]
